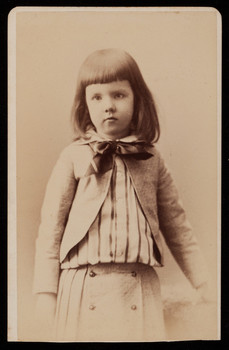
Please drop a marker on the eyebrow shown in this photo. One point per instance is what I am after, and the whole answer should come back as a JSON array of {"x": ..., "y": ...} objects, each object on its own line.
[
  {"x": 116, "y": 90},
  {"x": 120, "y": 90}
]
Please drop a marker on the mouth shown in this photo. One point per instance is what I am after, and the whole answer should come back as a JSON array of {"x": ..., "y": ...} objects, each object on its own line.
[{"x": 110, "y": 119}]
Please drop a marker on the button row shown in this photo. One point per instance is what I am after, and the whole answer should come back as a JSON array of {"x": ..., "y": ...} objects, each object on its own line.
[{"x": 93, "y": 307}]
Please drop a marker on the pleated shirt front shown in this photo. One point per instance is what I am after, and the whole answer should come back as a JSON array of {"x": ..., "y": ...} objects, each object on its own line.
[{"x": 120, "y": 232}]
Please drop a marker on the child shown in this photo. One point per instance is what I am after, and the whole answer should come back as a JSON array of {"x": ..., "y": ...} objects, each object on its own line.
[{"x": 109, "y": 198}]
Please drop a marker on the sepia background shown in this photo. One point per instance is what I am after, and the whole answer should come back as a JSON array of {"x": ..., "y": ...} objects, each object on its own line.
[{"x": 177, "y": 54}]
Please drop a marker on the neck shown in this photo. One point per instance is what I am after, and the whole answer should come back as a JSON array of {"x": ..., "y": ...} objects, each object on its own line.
[{"x": 115, "y": 137}]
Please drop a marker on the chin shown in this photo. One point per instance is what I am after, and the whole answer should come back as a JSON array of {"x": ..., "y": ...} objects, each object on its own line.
[{"x": 115, "y": 135}]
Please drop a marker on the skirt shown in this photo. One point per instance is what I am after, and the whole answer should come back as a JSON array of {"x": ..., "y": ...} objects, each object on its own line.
[{"x": 109, "y": 302}]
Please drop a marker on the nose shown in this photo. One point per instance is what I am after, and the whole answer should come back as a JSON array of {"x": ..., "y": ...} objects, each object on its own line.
[
  {"x": 109, "y": 110},
  {"x": 109, "y": 105}
]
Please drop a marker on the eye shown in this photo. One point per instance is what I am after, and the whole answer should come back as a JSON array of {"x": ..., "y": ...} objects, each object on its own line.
[
  {"x": 119, "y": 95},
  {"x": 96, "y": 97}
]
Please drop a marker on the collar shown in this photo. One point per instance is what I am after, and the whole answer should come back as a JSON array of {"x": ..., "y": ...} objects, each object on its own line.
[{"x": 92, "y": 136}]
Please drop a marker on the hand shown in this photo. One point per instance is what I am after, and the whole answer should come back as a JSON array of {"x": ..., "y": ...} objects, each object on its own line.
[{"x": 45, "y": 315}]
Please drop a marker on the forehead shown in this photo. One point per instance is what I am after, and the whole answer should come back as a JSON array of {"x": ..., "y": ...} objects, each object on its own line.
[{"x": 108, "y": 87}]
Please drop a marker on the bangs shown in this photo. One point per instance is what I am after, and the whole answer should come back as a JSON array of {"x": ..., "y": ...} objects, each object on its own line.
[{"x": 105, "y": 66}]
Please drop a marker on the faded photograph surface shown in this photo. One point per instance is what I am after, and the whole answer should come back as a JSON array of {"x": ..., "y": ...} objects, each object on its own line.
[{"x": 114, "y": 155}]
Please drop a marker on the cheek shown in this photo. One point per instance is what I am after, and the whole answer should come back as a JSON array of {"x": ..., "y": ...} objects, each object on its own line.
[
  {"x": 92, "y": 110},
  {"x": 130, "y": 108},
  {"x": 94, "y": 116}
]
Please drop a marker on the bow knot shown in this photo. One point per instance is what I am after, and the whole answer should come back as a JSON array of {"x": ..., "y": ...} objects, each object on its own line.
[
  {"x": 104, "y": 152},
  {"x": 106, "y": 147}
]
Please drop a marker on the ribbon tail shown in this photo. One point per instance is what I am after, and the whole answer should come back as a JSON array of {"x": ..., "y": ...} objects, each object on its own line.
[
  {"x": 91, "y": 170},
  {"x": 100, "y": 164}
]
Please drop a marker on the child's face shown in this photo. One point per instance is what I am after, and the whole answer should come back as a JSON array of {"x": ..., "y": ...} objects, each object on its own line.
[{"x": 111, "y": 107}]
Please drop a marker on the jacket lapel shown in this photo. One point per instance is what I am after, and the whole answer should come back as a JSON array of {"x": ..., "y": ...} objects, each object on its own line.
[
  {"x": 89, "y": 197},
  {"x": 144, "y": 176}
]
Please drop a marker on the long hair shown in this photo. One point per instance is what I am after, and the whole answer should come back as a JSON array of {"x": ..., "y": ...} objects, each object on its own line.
[{"x": 105, "y": 66}]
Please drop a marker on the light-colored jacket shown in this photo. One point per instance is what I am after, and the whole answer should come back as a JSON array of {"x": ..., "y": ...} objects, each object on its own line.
[{"x": 72, "y": 202}]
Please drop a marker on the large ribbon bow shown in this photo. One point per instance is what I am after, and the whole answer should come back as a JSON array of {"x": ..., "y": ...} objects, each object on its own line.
[{"x": 103, "y": 158}]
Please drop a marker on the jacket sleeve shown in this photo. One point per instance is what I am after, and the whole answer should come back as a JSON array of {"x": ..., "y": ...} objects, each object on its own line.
[
  {"x": 177, "y": 231},
  {"x": 57, "y": 203}
]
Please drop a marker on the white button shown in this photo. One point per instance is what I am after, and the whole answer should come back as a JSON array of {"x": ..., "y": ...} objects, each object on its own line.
[
  {"x": 92, "y": 307},
  {"x": 120, "y": 197},
  {"x": 119, "y": 174}
]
